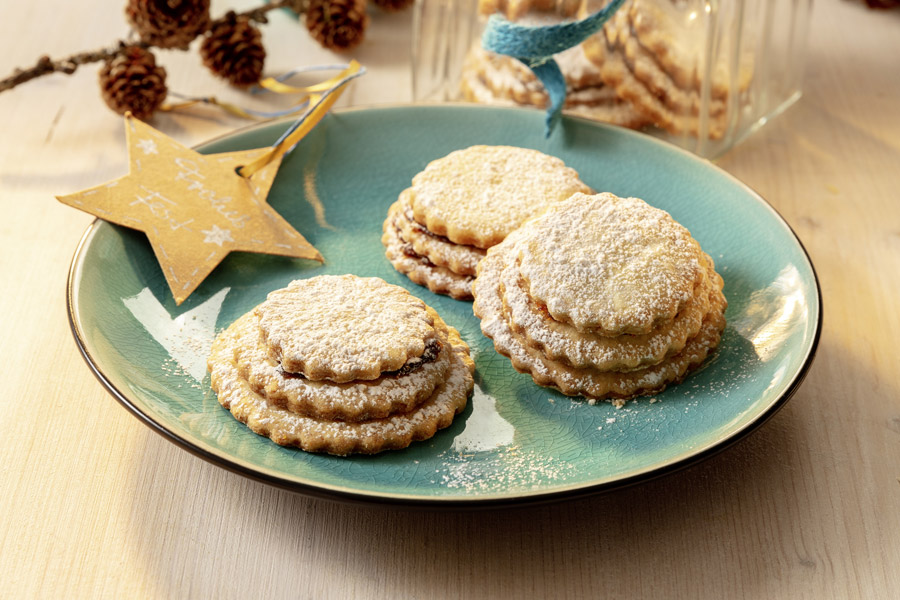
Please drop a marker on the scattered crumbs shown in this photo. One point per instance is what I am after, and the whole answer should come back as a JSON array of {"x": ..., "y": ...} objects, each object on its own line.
[
  {"x": 510, "y": 470},
  {"x": 610, "y": 420},
  {"x": 551, "y": 400},
  {"x": 416, "y": 462},
  {"x": 593, "y": 401},
  {"x": 600, "y": 428},
  {"x": 617, "y": 402},
  {"x": 171, "y": 368},
  {"x": 654, "y": 400}
]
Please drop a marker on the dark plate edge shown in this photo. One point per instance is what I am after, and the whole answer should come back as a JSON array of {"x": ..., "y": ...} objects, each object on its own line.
[{"x": 370, "y": 499}]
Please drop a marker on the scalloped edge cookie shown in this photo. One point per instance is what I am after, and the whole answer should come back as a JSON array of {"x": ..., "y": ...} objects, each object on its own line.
[
  {"x": 343, "y": 328},
  {"x": 590, "y": 383},
  {"x": 352, "y": 401},
  {"x": 422, "y": 271},
  {"x": 338, "y": 437}
]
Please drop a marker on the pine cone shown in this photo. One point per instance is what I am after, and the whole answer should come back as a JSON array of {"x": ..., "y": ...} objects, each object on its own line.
[
  {"x": 168, "y": 23},
  {"x": 233, "y": 50},
  {"x": 337, "y": 24},
  {"x": 393, "y": 5},
  {"x": 132, "y": 81}
]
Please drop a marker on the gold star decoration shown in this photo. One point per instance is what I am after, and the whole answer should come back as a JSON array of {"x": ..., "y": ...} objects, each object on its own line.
[{"x": 194, "y": 208}]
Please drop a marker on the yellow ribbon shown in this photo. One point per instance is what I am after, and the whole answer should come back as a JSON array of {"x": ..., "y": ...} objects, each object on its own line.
[
  {"x": 320, "y": 105},
  {"x": 310, "y": 92},
  {"x": 229, "y": 108}
]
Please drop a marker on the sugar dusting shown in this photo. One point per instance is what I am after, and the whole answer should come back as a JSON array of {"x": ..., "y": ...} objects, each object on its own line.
[
  {"x": 188, "y": 337},
  {"x": 337, "y": 437},
  {"x": 356, "y": 400},
  {"x": 489, "y": 308},
  {"x": 560, "y": 341},
  {"x": 628, "y": 266},
  {"x": 478, "y": 195},
  {"x": 343, "y": 328},
  {"x": 512, "y": 469}
]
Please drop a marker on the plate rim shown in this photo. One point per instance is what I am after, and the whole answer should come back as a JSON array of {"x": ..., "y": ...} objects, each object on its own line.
[{"x": 355, "y": 496}]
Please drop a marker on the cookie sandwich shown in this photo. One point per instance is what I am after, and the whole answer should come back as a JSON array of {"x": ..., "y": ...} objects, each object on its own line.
[
  {"x": 464, "y": 203},
  {"x": 342, "y": 364},
  {"x": 601, "y": 297}
]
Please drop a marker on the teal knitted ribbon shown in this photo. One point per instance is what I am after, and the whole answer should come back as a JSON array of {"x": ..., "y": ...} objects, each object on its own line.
[{"x": 535, "y": 47}]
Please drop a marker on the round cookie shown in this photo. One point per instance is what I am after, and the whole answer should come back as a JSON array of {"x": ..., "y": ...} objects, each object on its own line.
[
  {"x": 343, "y": 328},
  {"x": 578, "y": 71},
  {"x": 439, "y": 250},
  {"x": 509, "y": 78},
  {"x": 353, "y": 401},
  {"x": 473, "y": 89},
  {"x": 339, "y": 437},
  {"x": 664, "y": 31},
  {"x": 420, "y": 270},
  {"x": 646, "y": 70},
  {"x": 506, "y": 77},
  {"x": 477, "y": 196},
  {"x": 563, "y": 343},
  {"x": 591, "y": 383},
  {"x": 609, "y": 265}
]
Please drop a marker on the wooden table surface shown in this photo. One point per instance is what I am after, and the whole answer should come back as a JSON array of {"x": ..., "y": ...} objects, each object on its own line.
[{"x": 94, "y": 504}]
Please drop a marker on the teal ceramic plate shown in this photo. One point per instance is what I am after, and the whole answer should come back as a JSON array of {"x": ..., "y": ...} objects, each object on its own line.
[{"x": 516, "y": 442}]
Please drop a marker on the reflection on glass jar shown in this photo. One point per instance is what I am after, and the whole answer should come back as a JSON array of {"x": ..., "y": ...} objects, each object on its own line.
[{"x": 702, "y": 74}]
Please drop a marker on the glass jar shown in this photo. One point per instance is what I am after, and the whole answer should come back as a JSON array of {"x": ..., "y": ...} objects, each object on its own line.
[{"x": 703, "y": 74}]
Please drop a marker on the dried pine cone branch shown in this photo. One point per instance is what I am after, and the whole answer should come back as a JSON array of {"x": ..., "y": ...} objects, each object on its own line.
[
  {"x": 337, "y": 24},
  {"x": 132, "y": 81},
  {"x": 168, "y": 23},
  {"x": 67, "y": 65},
  {"x": 233, "y": 50}
]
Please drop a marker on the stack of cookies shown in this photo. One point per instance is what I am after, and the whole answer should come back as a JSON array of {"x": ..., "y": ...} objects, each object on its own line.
[
  {"x": 603, "y": 297},
  {"x": 649, "y": 56},
  {"x": 460, "y": 205},
  {"x": 490, "y": 78},
  {"x": 342, "y": 364}
]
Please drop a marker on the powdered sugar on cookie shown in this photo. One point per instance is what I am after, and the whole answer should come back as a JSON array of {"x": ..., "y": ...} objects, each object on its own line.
[
  {"x": 561, "y": 342},
  {"x": 343, "y": 328},
  {"x": 610, "y": 264},
  {"x": 352, "y": 401},
  {"x": 477, "y": 196},
  {"x": 338, "y": 437}
]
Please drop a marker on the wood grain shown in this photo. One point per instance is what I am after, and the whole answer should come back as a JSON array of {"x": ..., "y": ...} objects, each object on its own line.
[{"x": 94, "y": 504}]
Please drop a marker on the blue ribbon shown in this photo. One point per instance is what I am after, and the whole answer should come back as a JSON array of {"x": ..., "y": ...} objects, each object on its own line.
[{"x": 535, "y": 47}]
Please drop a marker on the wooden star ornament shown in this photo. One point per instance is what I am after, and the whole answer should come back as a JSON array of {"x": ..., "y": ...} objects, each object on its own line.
[{"x": 194, "y": 207}]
